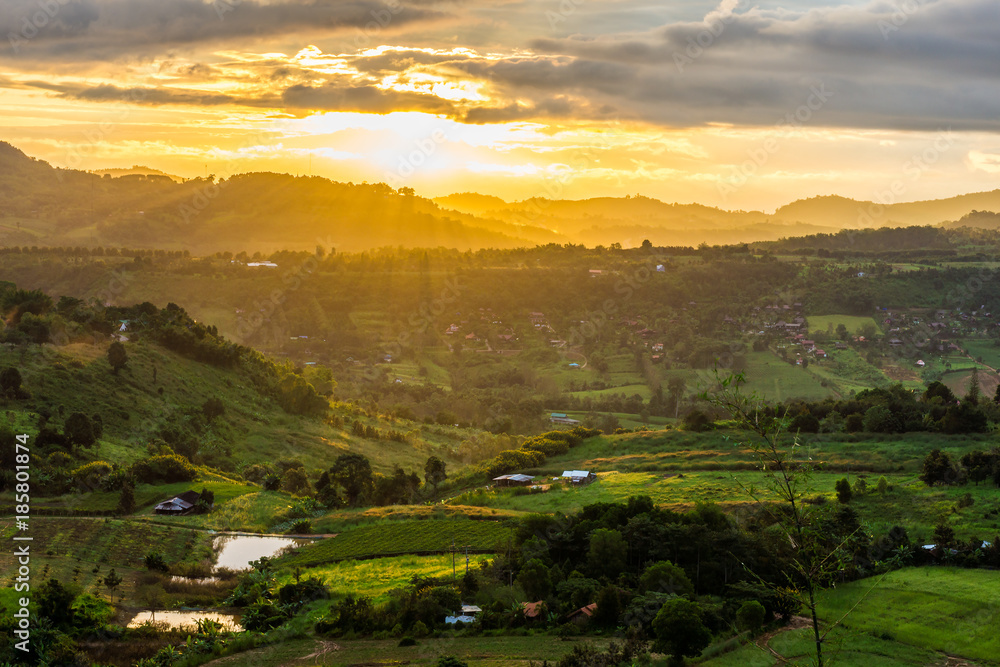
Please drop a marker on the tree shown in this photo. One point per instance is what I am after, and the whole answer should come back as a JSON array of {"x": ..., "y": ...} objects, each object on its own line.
[
  {"x": 680, "y": 630},
  {"x": 535, "y": 579},
  {"x": 296, "y": 482},
  {"x": 665, "y": 577},
  {"x": 814, "y": 557},
  {"x": 55, "y": 602},
  {"x": 10, "y": 381},
  {"x": 434, "y": 471},
  {"x": 352, "y": 473},
  {"x": 79, "y": 430},
  {"x": 972, "y": 395},
  {"x": 117, "y": 356},
  {"x": 126, "y": 498},
  {"x": 936, "y": 468},
  {"x": 843, "y": 489},
  {"x": 607, "y": 552},
  {"x": 112, "y": 581}
]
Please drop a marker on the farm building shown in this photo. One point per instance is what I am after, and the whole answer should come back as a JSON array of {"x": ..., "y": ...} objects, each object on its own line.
[
  {"x": 562, "y": 418},
  {"x": 181, "y": 504},
  {"x": 467, "y": 615},
  {"x": 513, "y": 480},
  {"x": 533, "y": 609},
  {"x": 579, "y": 476},
  {"x": 583, "y": 614}
]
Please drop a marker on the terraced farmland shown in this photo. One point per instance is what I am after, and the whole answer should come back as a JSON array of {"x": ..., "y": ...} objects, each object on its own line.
[{"x": 403, "y": 537}]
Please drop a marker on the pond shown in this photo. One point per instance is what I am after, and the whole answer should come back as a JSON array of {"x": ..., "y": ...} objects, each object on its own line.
[
  {"x": 237, "y": 551},
  {"x": 178, "y": 619}
]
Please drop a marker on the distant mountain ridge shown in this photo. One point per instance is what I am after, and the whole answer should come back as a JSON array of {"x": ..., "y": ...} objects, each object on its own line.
[{"x": 143, "y": 207}]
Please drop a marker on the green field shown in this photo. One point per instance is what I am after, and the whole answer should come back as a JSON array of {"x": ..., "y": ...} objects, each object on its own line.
[
  {"x": 943, "y": 609},
  {"x": 853, "y": 323},
  {"x": 776, "y": 379},
  {"x": 375, "y": 577},
  {"x": 476, "y": 651},
  {"x": 402, "y": 537}
]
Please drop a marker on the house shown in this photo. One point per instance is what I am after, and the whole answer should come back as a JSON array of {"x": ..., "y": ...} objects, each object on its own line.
[
  {"x": 583, "y": 614},
  {"x": 533, "y": 609},
  {"x": 467, "y": 615},
  {"x": 270, "y": 265},
  {"x": 595, "y": 272},
  {"x": 513, "y": 480},
  {"x": 820, "y": 354},
  {"x": 562, "y": 418},
  {"x": 179, "y": 505},
  {"x": 841, "y": 346},
  {"x": 579, "y": 476}
]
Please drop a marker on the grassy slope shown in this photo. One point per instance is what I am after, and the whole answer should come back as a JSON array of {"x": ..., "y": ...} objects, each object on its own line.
[
  {"x": 78, "y": 378},
  {"x": 943, "y": 609}
]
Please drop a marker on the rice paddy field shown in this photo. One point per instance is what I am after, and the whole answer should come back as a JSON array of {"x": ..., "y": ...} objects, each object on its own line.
[{"x": 403, "y": 537}]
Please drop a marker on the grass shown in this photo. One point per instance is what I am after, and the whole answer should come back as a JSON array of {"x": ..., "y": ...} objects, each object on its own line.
[
  {"x": 402, "y": 537},
  {"x": 71, "y": 549},
  {"x": 477, "y": 651},
  {"x": 134, "y": 410},
  {"x": 937, "y": 608},
  {"x": 776, "y": 379},
  {"x": 375, "y": 577},
  {"x": 823, "y": 323}
]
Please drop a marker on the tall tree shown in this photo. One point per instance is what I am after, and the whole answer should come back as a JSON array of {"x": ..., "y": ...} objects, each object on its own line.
[
  {"x": 112, "y": 580},
  {"x": 79, "y": 430},
  {"x": 434, "y": 471},
  {"x": 814, "y": 559},
  {"x": 117, "y": 356},
  {"x": 352, "y": 473}
]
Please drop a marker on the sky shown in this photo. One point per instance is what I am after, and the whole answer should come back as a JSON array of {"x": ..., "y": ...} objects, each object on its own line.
[{"x": 736, "y": 104}]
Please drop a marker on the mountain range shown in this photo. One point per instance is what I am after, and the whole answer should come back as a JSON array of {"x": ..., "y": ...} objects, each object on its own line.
[{"x": 142, "y": 207}]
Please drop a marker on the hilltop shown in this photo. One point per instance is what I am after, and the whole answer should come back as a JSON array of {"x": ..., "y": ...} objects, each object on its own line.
[{"x": 143, "y": 207}]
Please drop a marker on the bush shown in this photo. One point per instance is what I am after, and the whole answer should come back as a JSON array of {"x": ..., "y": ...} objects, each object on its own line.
[
  {"x": 407, "y": 641},
  {"x": 750, "y": 616},
  {"x": 164, "y": 469}
]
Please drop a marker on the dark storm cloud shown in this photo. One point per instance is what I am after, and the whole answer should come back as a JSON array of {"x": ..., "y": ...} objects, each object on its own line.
[
  {"x": 366, "y": 99},
  {"x": 146, "y": 95},
  {"x": 913, "y": 64},
  {"x": 84, "y": 30}
]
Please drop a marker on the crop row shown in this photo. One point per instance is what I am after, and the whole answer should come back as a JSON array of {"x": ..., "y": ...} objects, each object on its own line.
[{"x": 403, "y": 537}]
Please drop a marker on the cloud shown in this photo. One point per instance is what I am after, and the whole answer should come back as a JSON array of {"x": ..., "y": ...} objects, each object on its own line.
[
  {"x": 93, "y": 30},
  {"x": 364, "y": 98}
]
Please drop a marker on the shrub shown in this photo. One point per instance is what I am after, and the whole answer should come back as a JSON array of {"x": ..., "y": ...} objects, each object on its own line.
[
  {"x": 164, "y": 469},
  {"x": 750, "y": 616},
  {"x": 407, "y": 641}
]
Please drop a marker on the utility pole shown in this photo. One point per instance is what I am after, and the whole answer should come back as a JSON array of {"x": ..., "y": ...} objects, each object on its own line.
[{"x": 453, "y": 574}]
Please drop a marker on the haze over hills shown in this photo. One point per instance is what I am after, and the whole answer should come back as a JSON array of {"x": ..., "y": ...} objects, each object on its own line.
[
  {"x": 135, "y": 170},
  {"x": 143, "y": 207}
]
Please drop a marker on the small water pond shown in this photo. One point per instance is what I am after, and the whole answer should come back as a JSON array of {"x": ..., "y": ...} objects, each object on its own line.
[
  {"x": 237, "y": 551},
  {"x": 188, "y": 619}
]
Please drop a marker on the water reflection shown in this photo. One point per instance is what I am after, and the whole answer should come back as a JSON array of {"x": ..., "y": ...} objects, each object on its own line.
[{"x": 237, "y": 551}]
